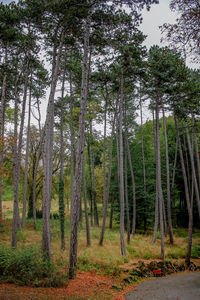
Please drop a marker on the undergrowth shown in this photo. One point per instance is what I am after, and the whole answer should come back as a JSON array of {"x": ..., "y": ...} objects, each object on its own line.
[{"x": 28, "y": 267}]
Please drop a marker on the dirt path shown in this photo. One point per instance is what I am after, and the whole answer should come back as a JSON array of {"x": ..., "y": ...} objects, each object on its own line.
[{"x": 184, "y": 286}]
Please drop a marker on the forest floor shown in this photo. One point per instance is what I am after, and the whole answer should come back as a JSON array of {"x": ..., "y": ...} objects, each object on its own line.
[
  {"x": 86, "y": 286},
  {"x": 98, "y": 275}
]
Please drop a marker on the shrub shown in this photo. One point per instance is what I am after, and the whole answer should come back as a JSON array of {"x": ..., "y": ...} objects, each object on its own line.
[
  {"x": 28, "y": 267},
  {"x": 195, "y": 251}
]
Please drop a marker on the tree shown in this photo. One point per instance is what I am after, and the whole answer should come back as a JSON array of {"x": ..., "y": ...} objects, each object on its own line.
[
  {"x": 185, "y": 33},
  {"x": 79, "y": 155}
]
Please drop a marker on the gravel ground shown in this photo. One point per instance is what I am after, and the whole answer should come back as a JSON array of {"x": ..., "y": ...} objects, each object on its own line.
[{"x": 184, "y": 286}]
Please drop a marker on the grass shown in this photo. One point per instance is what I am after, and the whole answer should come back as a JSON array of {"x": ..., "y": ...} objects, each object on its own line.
[{"x": 106, "y": 257}]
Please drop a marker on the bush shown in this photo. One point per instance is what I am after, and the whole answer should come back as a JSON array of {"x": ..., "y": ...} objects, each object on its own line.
[
  {"x": 28, "y": 267},
  {"x": 195, "y": 251}
]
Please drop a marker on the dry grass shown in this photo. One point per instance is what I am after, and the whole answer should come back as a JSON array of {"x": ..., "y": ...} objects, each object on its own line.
[{"x": 109, "y": 254}]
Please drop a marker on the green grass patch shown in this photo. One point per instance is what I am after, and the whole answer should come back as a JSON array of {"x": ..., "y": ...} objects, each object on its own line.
[{"x": 195, "y": 250}]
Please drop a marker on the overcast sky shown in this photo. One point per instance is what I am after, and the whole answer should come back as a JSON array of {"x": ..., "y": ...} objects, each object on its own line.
[{"x": 158, "y": 15}]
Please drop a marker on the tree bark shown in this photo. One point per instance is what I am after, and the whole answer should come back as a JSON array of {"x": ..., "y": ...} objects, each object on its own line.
[
  {"x": 168, "y": 183},
  {"x": 187, "y": 195},
  {"x": 85, "y": 205},
  {"x": 90, "y": 171},
  {"x": 126, "y": 197},
  {"x": 105, "y": 202},
  {"x": 78, "y": 169},
  {"x": 26, "y": 164},
  {"x": 193, "y": 168},
  {"x": 48, "y": 153},
  {"x": 121, "y": 169},
  {"x": 111, "y": 213},
  {"x": 2, "y": 113},
  {"x": 17, "y": 159},
  {"x": 156, "y": 221},
  {"x": 96, "y": 217},
  {"x": 196, "y": 147},
  {"x": 159, "y": 183},
  {"x": 38, "y": 155},
  {"x": 174, "y": 167},
  {"x": 61, "y": 180},
  {"x": 143, "y": 168},
  {"x": 72, "y": 145}
]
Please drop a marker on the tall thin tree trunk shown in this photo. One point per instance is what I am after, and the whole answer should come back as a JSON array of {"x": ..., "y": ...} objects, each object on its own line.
[
  {"x": 156, "y": 219},
  {"x": 48, "y": 153},
  {"x": 196, "y": 147},
  {"x": 2, "y": 113},
  {"x": 90, "y": 172},
  {"x": 187, "y": 163},
  {"x": 26, "y": 164},
  {"x": 159, "y": 183},
  {"x": 121, "y": 169},
  {"x": 17, "y": 159},
  {"x": 133, "y": 187},
  {"x": 105, "y": 202},
  {"x": 38, "y": 155},
  {"x": 72, "y": 141},
  {"x": 174, "y": 167},
  {"x": 78, "y": 169},
  {"x": 85, "y": 204},
  {"x": 189, "y": 203},
  {"x": 128, "y": 155},
  {"x": 143, "y": 168},
  {"x": 111, "y": 213},
  {"x": 193, "y": 168},
  {"x": 96, "y": 217},
  {"x": 61, "y": 180},
  {"x": 126, "y": 196},
  {"x": 168, "y": 183}
]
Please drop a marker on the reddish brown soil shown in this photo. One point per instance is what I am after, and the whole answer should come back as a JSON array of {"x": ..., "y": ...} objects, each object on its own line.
[{"x": 87, "y": 285}]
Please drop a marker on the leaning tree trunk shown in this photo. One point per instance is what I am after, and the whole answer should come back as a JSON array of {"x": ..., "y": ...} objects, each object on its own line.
[
  {"x": 26, "y": 164},
  {"x": 187, "y": 195},
  {"x": 174, "y": 166},
  {"x": 121, "y": 169},
  {"x": 193, "y": 168},
  {"x": 159, "y": 183},
  {"x": 17, "y": 159},
  {"x": 48, "y": 154},
  {"x": 80, "y": 145}
]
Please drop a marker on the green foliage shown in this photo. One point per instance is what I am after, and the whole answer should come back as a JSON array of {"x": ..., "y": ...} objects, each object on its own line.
[
  {"x": 195, "y": 251},
  {"x": 28, "y": 267}
]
